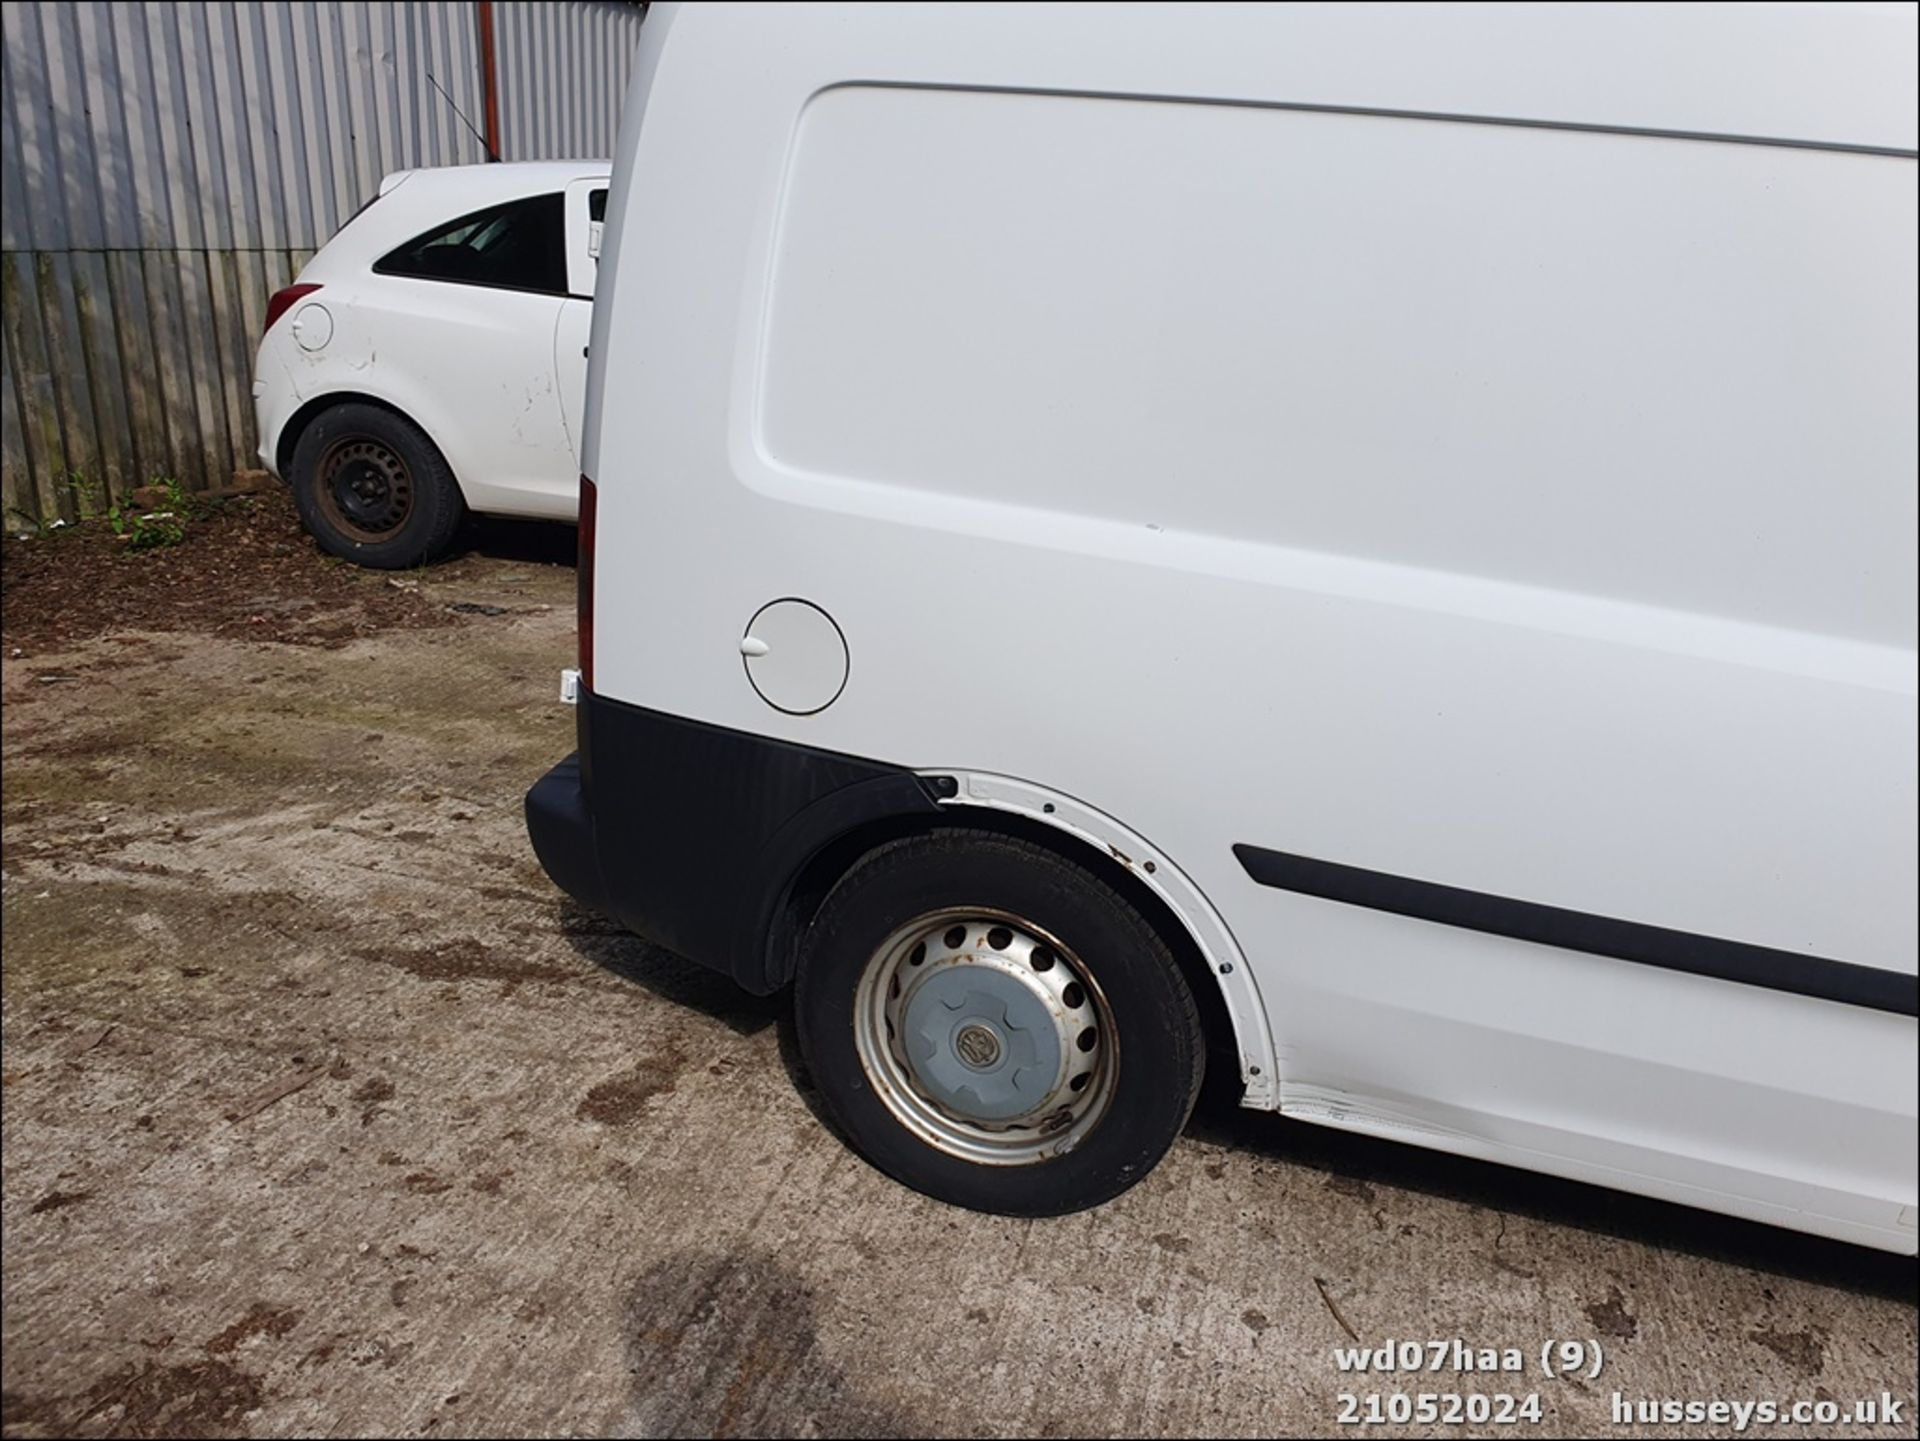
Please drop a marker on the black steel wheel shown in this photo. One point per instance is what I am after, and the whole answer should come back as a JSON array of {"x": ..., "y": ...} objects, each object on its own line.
[{"x": 373, "y": 489}]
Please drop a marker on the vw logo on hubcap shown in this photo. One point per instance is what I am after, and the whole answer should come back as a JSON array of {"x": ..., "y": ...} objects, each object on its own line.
[{"x": 977, "y": 1046}]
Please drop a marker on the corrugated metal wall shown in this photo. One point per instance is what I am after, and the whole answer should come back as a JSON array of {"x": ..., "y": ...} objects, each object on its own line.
[
  {"x": 167, "y": 166},
  {"x": 563, "y": 73}
]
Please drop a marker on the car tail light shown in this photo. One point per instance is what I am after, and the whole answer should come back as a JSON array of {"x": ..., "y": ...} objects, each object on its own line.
[
  {"x": 282, "y": 302},
  {"x": 584, "y": 613}
]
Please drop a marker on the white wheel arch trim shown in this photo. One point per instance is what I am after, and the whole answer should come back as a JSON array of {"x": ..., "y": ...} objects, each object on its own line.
[{"x": 1152, "y": 868}]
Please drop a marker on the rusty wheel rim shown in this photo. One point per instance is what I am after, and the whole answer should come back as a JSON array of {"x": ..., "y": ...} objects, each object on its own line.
[
  {"x": 986, "y": 1037},
  {"x": 364, "y": 488}
]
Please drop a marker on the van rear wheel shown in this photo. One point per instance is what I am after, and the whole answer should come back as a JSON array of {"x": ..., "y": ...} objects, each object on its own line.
[{"x": 996, "y": 1026}]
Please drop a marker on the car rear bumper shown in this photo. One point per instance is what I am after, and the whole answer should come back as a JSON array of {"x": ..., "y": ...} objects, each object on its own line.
[{"x": 275, "y": 400}]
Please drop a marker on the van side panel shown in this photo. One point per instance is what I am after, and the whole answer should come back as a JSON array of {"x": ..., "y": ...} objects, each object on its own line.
[
  {"x": 1522, "y": 509},
  {"x": 1605, "y": 364}
]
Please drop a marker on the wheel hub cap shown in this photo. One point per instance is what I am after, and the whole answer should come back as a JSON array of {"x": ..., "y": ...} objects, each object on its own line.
[
  {"x": 983, "y": 1043},
  {"x": 986, "y": 1037}
]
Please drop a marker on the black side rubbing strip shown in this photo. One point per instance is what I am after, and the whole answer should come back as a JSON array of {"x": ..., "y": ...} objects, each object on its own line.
[{"x": 1776, "y": 970}]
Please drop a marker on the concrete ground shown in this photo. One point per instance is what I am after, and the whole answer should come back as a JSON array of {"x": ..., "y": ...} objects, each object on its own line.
[{"x": 326, "y": 1114}]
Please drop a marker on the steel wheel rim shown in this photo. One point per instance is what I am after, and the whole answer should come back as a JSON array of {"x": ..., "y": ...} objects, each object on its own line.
[
  {"x": 364, "y": 488},
  {"x": 986, "y": 1037}
]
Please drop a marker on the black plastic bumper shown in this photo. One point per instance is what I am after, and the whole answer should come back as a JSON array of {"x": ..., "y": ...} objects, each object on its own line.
[
  {"x": 561, "y": 828},
  {"x": 693, "y": 835}
]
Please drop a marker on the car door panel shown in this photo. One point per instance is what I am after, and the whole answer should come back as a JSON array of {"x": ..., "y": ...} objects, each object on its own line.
[{"x": 474, "y": 366}]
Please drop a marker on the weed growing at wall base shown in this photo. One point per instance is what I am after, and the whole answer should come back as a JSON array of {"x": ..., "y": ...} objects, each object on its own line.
[{"x": 140, "y": 527}]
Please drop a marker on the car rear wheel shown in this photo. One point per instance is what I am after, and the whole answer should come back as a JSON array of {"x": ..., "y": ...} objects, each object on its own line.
[
  {"x": 372, "y": 489},
  {"x": 995, "y": 1026}
]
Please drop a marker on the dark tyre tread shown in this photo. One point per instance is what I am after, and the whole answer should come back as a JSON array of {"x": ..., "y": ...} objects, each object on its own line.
[
  {"x": 1161, "y": 1044},
  {"x": 438, "y": 505}
]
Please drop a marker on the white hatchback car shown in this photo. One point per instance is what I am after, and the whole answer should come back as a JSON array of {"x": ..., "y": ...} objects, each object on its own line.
[{"x": 431, "y": 358}]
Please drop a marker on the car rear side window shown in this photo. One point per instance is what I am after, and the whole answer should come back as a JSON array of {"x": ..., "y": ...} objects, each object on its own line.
[{"x": 517, "y": 246}]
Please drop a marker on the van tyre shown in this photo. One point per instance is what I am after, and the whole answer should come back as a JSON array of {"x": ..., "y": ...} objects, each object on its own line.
[
  {"x": 995, "y": 1026},
  {"x": 372, "y": 489}
]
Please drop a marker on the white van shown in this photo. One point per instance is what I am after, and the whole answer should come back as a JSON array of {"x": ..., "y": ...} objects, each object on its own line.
[{"x": 1370, "y": 549}]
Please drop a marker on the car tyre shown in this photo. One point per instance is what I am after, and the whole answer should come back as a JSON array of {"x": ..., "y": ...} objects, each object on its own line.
[
  {"x": 373, "y": 489},
  {"x": 995, "y": 1026}
]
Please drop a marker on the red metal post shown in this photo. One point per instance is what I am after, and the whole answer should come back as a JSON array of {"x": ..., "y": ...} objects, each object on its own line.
[{"x": 489, "y": 79}]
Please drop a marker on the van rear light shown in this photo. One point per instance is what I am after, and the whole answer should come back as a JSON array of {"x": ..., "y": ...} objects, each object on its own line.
[
  {"x": 584, "y": 612},
  {"x": 282, "y": 302}
]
